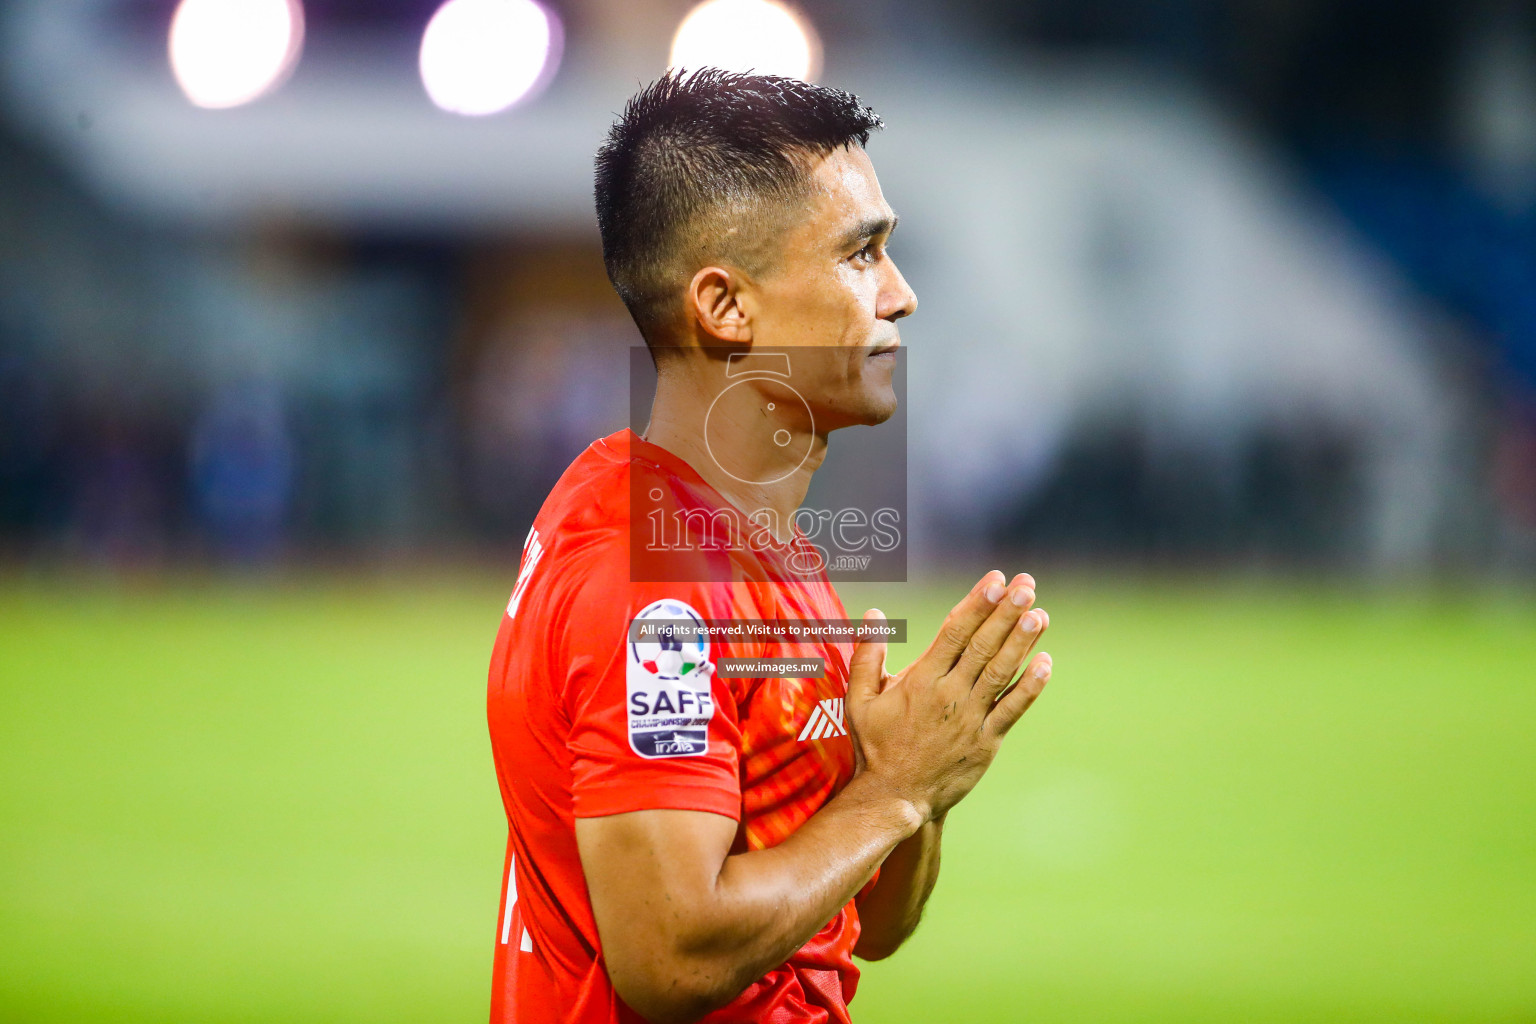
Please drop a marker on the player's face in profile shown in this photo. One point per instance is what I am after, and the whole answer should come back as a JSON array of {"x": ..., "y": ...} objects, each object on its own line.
[{"x": 836, "y": 295}]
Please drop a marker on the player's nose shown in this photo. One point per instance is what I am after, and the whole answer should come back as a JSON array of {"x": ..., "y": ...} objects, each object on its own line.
[{"x": 896, "y": 298}]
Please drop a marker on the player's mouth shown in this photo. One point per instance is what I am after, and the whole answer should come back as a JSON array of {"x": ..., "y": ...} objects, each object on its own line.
[{"x": 888, "y": 349}]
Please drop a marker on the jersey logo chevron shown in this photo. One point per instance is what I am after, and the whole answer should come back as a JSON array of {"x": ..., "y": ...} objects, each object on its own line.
[{"x": 826, "y": 721}]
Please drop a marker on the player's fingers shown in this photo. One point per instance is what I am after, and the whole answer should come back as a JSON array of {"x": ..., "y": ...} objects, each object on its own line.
[
  {"x": 999, "y": 672},
  {"x": 989, "y": 639},
  {"x": 866, "y": 669},
  {"x": 1011, "y": 706},
  {"x": 961, "y": 623}
]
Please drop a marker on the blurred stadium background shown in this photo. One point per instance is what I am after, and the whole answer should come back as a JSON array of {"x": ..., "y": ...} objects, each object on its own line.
[{"x": 1228, "y": 333}]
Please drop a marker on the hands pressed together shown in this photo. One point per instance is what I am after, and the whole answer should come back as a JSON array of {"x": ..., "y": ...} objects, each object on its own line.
[{"x": 930, "y": 731}]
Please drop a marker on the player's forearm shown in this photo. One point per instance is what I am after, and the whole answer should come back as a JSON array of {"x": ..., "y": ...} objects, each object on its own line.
[
  {"x": 889, "y": 913},
  {"x": 766, "y": 904}
]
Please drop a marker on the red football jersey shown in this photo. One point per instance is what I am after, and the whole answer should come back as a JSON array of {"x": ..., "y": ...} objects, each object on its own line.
[{"x": 587, "y": 720}]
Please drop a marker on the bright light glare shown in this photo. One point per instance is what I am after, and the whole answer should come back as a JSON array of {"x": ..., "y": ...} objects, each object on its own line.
[
  {"x": 482, "y": 56},
  {"x": 746, "y": 35},
  {"x": 228, "y": 52}
]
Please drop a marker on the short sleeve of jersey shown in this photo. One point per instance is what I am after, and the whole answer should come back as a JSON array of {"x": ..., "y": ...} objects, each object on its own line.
[{"x": 652, "y": 724}]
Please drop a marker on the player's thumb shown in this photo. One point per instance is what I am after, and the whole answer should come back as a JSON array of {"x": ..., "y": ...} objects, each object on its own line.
[{"x": 866, "y": 669}]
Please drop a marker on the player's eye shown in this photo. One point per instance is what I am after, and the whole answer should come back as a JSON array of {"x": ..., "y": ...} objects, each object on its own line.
[{"x": 868, "y": 254}]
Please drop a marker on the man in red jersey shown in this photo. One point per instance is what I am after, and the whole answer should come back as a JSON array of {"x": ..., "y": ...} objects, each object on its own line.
[{"x": 686, "y": 842}]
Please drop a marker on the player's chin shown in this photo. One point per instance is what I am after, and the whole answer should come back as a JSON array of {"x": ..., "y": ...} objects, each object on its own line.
[
  {"x": 877, "y": 394},
  {"x": 867, "y": 407},
  {"x": 878, "y": 406}
]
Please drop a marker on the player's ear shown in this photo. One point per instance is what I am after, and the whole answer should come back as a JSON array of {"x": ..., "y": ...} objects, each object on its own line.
[{"x": 714, "y": 300}]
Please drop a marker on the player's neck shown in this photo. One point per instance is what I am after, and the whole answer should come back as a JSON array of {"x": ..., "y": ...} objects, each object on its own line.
[{"x": 756, "y": 479}]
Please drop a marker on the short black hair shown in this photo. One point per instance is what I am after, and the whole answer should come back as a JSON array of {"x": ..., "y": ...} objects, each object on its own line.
[{"x": 693, "y": 146}]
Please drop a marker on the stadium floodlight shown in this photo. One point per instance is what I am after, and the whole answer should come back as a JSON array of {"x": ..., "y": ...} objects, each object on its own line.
[
  {"x": 747, "y": 35},
  {"x": 482, "y": 56},
  {"x": 228, "y": 52}
]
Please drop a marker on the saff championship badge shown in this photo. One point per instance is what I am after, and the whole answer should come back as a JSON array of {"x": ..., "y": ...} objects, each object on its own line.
[{"x": 668, "y": 675}]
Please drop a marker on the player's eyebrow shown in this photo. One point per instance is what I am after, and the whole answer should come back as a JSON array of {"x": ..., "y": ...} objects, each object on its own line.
[{"x": 869, "y": 228}]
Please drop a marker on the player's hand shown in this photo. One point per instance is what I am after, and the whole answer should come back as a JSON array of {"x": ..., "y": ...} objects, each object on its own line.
[{"x": 932, "y": 730}]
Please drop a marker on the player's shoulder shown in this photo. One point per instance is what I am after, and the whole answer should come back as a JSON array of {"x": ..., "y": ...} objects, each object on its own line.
[
  {"x": 590, "y": 496},
  {"x": 587, "y": 534},
  {"x": 594, "y": 494}
]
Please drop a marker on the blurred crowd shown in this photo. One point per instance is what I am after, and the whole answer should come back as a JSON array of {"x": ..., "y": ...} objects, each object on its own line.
[{"x": 287, "y": 387}]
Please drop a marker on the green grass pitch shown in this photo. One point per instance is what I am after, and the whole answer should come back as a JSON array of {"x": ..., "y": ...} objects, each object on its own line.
[{"x": 1255, "y": 802}]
